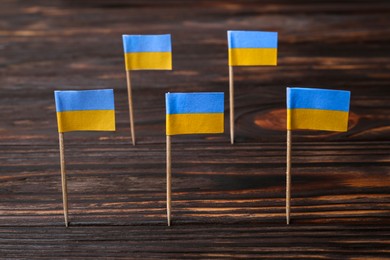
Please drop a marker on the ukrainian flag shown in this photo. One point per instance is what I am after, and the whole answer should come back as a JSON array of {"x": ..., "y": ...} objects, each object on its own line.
[
  {"x": 317, "y": 109},
  {"x": 252, "y": 48},
  {"x": 147, "y": 52},
  {"x": 194, "y": 113},
  {"x": 86, "y": 110}
]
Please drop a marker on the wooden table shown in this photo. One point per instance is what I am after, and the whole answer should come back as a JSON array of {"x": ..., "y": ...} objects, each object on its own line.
[{"x": 228, "y": 200}]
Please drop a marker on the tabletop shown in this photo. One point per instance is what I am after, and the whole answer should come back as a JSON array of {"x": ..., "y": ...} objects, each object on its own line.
[{"x": 228, "y": 201}]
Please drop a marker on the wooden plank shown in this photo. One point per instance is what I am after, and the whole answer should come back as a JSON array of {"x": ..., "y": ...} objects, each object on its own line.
[{"x": 228, "y": 201}]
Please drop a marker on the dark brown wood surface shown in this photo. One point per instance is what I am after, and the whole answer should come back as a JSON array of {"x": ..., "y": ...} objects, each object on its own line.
[{"x": 228, "y": 200}]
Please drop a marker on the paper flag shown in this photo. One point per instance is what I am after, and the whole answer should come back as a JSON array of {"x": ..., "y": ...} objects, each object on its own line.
[
  {"x": 194, "y": 113},
  {"x": 252, "y": 48},
  {"x": 317, "y": 109},
  {"x": 85, "y": 110},
  {"x": 147, "y": 52}
]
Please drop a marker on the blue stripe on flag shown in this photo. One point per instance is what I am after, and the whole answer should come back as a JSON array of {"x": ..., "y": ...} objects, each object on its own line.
[
  {"x": 252, "y": 39},
  {"x": 191, "y": 103},
  {"x": 147, "y": 43},
  {"x": 79, "y": 100},
  {"x": 323, "y": 99}
]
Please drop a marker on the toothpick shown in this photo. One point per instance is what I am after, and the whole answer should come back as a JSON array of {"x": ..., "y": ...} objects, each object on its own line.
[
  {"x": 63, "y": 179},
  {"x": 288, "y": 177},
  {"x": 231, "y": 100},
  {"x": 130, "y": 100},
  {"x": 169, "y": 165}
]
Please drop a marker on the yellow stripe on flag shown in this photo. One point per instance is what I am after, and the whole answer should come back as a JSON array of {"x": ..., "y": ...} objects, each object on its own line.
[
  {"x": 148, "y": 61},
  {"x": 314, "y": 119},
  {"x": 195, "y": 123},
  {"x": 252, "y": 56},
  {"x": 86, "y": 120}
]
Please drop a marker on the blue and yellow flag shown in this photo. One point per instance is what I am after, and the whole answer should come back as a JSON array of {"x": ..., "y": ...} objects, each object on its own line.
[
  {"x": 252, "y": 48},
  {"x": 85, "y": 110},
  {"x": 194, "y": 113},
  {"x": 148, "y": 52},
  {"x": 317, "y": 109}
]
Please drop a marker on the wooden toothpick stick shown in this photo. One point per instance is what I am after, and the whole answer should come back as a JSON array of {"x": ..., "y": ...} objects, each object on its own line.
[
  {"x": 63, "y": 179},
  {"x": 130, "y": 100},
  {"x": 169, "y": 165},
  {"x": 231, "y": 100},
  {"x": 288, "y": 177}
]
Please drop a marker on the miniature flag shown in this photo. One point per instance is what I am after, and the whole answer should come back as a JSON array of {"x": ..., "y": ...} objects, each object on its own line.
[
  {"x": 147, "y": 52},
  {"x": 252, "y": 48},
  {"x": 194, "y": 113},
  {"x": 317, "y": 109},
  {"x": 86, "y": 110}
]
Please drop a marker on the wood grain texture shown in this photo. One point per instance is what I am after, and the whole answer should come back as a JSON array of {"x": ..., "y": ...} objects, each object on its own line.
[{"x": 228, "y": 201}]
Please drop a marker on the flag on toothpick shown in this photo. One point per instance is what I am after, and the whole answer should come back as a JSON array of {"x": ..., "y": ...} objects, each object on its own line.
[
  {"x": 313, "y": 109},
  {"x": 194, "y": 113},
  {"x": 317, "y": 109},
  {"x": 252, "y": 48},
  {"x": 85, "y": 110},
  {"x": 82, "y": 110},
  {"x": 191, "y": 113},
  {"x": 148, "y": 52},
  {"x": 249, "y": 48},
  {"x": 145, "y": 52}
]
